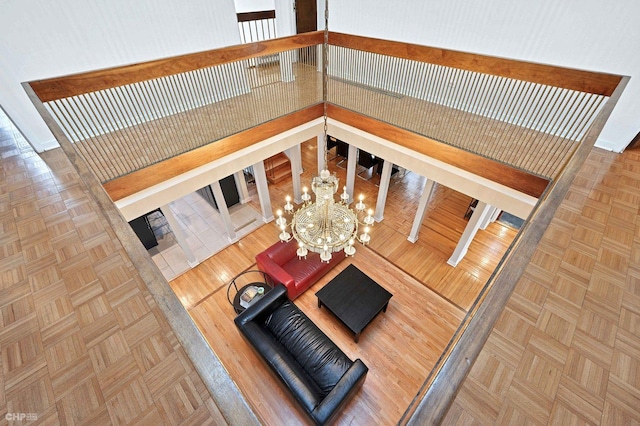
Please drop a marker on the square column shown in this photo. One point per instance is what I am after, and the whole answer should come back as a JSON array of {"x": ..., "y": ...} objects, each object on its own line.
[
  {"x": 224, "y": 211},
  {"x": 179, "y": 234},
  {"x": 488, "y": 218},
  {"x": 427, "y": 192},
  {"x": 262, "y": 186},
  {"x": 241, "y": 184},
  {"x": 383, "y": 191},
  {"x": 481, "y": 211},
  {"x": 352, "y": 162},
  {"x": 295, "y": 156}
]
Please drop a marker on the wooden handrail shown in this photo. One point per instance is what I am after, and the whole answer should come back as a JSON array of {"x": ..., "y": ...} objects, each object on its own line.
[
  {"x": 583, "y": 81},
  {"x": 256, "y": 16},
  {"x": 157, "y": 173},
  {"x": 77, "y": 84},
  {"x": 495, "y": 171}
]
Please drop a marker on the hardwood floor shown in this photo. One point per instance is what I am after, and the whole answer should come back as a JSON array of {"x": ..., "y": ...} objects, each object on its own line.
[{"x": 430, "y": 298}]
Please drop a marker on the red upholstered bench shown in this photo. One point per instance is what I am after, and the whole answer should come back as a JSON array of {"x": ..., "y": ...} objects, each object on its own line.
[{"x": 282, "y": 264}]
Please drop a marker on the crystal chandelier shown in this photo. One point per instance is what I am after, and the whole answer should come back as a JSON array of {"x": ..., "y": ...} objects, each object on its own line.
[{"x": 325, "y": 226}]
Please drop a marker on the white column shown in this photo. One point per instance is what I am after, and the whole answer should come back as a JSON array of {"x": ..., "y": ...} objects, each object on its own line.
[
  {"x": 179, "y": 234},
  {"x": 495, "y": 215},
  {"x": 241, "y": 185},
  {"x": 296, "y": 169},
  {"x": 262, "y": 186},
  {"x": 224, "y": 211},
  {"x": 352, "y": 161},
  {"x": 487, "y": 219},
  {"x": 479, "y": 214},
  {"x": 427, "y": 192},
  {"x": 286, "y": 67},
  {"x": 383, "y": 190},
  {"x": 322, "y": 145}
]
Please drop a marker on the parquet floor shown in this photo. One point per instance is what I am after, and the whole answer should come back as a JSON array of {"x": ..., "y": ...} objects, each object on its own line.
[
  {"x": 566, "y": 349},
  {"x": 81, "y": 339}
]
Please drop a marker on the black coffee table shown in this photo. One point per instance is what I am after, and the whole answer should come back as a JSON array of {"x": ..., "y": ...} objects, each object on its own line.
[{"x": 354, "y": 298}]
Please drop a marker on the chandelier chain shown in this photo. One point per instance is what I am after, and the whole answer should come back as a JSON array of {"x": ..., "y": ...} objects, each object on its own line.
[{"x": 325, "y": 80}]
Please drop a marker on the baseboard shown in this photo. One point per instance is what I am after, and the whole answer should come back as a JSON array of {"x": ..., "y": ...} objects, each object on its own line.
[
  {"x": 607, "y": 146},
  {"x": 46, "y": 146}
]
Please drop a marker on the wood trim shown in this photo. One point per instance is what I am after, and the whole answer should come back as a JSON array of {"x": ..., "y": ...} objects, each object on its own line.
[
  {"x": 77, "y": 84},
  {"x": 157, "y": 173},
  {"x": 497, "y": 172},
  {"x": 583, "y": 81},
  {"x": 256, "y": 16}
]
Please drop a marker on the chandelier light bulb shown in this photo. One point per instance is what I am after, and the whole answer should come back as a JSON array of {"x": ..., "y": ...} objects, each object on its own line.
[
  {"x": 369, "y": 219},
  {"x": 365, "y": 238},
  {"x": 288, "y": 207}
]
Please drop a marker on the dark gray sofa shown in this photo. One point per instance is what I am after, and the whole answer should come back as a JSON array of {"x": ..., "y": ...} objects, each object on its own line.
[{"x": 316, "y": 372}]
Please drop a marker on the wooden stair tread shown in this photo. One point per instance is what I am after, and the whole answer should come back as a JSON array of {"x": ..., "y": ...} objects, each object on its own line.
[{"x": 277, "y": 167}]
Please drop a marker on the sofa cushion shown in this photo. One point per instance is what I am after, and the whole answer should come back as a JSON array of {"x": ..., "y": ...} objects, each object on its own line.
[
  {"x": 322, "y": 360},
  {"x": 281, "y": 252},
  {"x": 301, "y": 270},
  {"x": 285, "y": 366}
]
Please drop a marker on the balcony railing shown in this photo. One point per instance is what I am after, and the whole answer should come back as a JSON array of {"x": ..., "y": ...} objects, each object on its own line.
[
  {"x": 470, "y": 110},
  {"x": 528, "y": 116},
  {"x": 125, "y": 119}
]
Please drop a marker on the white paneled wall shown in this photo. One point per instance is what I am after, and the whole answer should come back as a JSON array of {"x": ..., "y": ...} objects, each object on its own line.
[
  {"x": 41, "y": 39},
  {"x": 587, "y": 34}
]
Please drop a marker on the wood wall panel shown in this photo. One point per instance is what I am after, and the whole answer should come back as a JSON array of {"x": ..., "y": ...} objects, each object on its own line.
[{"x": 583, "y": 81}]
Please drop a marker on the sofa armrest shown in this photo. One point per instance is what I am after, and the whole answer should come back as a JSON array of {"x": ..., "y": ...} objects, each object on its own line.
[
  {"x": 271, "y": 300},
  {"x": 275, "y": 271},
  {"x": 341, "y": 393}
]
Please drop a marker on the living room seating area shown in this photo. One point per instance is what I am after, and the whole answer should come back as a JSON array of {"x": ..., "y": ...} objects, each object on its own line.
[{"x": 315, "y": 371}]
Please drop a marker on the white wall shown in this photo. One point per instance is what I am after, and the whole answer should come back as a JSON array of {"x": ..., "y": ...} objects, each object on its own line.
[
  {"x": 254, "y": 5},
  {"x": 584, "y": 34},
  {"x": 42, "y": 39}
]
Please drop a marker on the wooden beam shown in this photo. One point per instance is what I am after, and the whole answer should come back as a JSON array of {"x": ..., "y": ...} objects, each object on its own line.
[
  {"x": 172, "y": 167},
  {"x": 583, "y": 81},
  {"x": 77, "y": 84},
  {"x": 256, "y": 16},
  {"x": 495, "y": 171}
]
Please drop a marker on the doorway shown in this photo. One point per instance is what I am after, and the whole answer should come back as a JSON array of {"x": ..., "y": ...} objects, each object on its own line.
[{"x": 306, "y": 21}]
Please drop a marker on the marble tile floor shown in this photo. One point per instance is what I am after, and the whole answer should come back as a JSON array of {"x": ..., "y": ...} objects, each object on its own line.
[{"x": 204, "y": 231}]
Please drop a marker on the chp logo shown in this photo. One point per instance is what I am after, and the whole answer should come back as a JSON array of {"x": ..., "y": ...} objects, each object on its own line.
[{"x": 21, "y": 417}]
